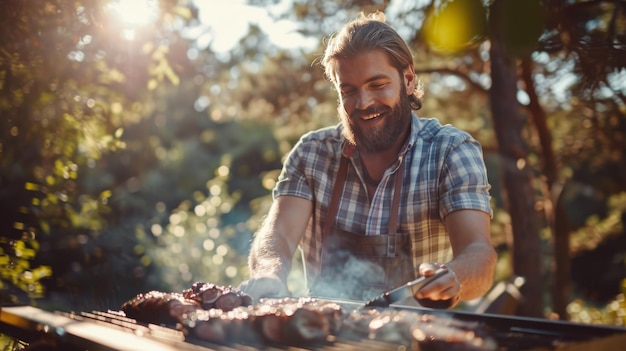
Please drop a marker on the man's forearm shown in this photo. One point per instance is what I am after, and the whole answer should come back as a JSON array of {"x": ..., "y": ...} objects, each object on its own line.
[
  {"x": 269, "y": 256},
  {"x": 278, "y": 237},
  {"x": 474, "y": 269}
]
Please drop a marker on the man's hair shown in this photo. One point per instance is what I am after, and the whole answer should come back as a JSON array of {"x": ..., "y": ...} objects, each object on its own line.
[{"x": 365, "y": 34}]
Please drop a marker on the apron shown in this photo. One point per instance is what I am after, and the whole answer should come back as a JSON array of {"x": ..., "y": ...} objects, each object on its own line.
[{"x": 360, "y": 267}]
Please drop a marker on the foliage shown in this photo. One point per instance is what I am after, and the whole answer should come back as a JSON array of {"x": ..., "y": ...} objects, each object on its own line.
[
  {"x": 66, "y": 88},
  {"x": 613, "y": 313},
  {"x": 597, "y": 251},
  {"x": 455, "y": 25},
  {"x": 11, "y": 344},
  {"x": 195, "y": 244},
  {"x": 598, "y": 228},
  {"x": 17, "y": 277}
]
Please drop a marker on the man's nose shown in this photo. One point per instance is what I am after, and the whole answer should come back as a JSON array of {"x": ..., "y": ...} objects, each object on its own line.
[{"x": 364, "y": 99}]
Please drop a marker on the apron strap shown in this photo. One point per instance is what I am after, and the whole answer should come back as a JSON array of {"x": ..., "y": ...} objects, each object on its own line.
[
  {"x": 333, "y": 207},
  {"x": 395, "y": 207}
]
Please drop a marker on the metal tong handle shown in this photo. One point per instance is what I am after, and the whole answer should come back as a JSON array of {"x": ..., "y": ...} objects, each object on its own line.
[{"x": 405, "y": 291}]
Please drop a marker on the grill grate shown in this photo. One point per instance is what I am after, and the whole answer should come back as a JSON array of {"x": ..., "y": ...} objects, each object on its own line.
[
  {"x": 111, "y": 330},
  {"x": 116, "y": 319}
]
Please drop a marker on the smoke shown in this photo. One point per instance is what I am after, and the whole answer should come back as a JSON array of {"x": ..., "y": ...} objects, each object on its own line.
[{"x": 350, "y": 278}]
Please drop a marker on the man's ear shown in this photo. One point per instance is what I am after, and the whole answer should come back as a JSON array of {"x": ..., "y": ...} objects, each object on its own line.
[{"x": 410, "y": 79}]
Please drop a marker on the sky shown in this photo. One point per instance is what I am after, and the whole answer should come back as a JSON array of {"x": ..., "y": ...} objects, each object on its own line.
[
  {"x": 229, "y": 20},
  {"x": 222, "y": 22}
]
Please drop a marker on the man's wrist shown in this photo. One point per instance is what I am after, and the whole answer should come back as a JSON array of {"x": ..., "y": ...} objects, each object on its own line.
[
  {"x": 265, "y": 275},
  {"x": 457, "y": 282}
]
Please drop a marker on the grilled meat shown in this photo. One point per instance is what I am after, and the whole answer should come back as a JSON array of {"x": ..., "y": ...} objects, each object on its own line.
[
  {"x": 224, "y": 315},
  {"x": 217, "y": 296},
  {"x": 170, "y": 308},
  {"x": 416, "y": 330},
  {"x": 301, "y": 320},
  {"x": 288, "y": 321},
  {"x": 159, "y": 307},
  {"x": 221, "y": 326},
  {"x": 331, "y": 312}
]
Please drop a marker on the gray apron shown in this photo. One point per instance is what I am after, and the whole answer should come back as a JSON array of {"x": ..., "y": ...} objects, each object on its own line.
[{"x": 360, "y": 267}]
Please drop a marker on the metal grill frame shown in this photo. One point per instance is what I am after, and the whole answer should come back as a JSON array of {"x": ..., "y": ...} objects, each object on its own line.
[{"x": 111, "y": 331}]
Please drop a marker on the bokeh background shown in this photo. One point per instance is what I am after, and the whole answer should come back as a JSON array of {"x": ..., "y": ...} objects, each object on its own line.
[{"x": 140, "y": 139}]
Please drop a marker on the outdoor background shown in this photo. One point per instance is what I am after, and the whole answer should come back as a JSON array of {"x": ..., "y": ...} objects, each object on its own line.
[{"x": 140, "y": 139}]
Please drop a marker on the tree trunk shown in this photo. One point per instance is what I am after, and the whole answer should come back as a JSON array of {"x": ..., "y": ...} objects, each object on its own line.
[
  {"x": 555, "y": 212},
  {"x": 562, "y": 263},
  {"x": 517, "y": 178}
]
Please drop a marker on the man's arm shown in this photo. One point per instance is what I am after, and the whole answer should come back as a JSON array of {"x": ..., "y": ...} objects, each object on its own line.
[
  {"x": 274, "y": 246},
  {"x": 474, "y": 259}
]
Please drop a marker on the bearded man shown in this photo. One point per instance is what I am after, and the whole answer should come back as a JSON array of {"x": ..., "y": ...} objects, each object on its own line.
[{"x": 382, "y": 198}]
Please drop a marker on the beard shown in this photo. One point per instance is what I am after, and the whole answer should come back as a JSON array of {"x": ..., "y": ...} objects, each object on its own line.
[{"x": 383, "y": 137}]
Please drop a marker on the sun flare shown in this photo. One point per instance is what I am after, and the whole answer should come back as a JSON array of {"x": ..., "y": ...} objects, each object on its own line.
[{"x": 135, "y": 12}]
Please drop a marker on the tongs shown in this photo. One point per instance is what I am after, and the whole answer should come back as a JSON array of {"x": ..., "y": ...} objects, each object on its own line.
[{"x": 405, "y": 291}]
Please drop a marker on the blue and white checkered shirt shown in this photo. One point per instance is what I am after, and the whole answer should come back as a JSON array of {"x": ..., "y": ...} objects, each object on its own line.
[{"x": 443, "y": 172}]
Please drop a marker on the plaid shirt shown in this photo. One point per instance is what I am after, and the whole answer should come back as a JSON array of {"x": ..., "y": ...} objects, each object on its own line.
[{"x": 443, "y": 172}]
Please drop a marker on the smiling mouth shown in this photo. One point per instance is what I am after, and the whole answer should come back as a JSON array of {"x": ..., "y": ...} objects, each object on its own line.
[
  {"x": 370, "y": 114},
  {"x": 373, "y": 116}
]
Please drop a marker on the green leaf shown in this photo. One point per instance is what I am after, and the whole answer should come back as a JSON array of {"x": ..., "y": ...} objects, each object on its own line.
[{"x": 31, "y": 186}]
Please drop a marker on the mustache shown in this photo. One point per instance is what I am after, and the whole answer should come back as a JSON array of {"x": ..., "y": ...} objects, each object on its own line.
[{"x": 369, "y": 111}]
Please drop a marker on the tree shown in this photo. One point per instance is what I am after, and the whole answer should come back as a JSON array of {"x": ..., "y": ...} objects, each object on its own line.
[
  {"x": 514, "y": 35},
  {"x": 67, "y": 89},
  {"x": 598, "y": 51},
  {"x": 520, "y": 196}
]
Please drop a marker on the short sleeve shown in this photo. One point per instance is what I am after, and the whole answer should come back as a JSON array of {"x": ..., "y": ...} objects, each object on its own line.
[
  {"x": 464, "y": 183},
  {"x": 292, "y": 180}
]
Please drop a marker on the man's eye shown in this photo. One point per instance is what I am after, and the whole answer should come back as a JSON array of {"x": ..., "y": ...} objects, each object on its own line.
[
  {"x": 346, "y": 92},
  {"x": 378, "y": 85}
]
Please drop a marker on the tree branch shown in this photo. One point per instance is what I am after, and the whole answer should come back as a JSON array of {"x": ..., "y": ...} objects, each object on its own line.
[{"x": 457, "y": 73}]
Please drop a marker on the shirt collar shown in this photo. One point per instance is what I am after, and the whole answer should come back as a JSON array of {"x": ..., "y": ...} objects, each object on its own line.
[{"x": 415, "y": 127}]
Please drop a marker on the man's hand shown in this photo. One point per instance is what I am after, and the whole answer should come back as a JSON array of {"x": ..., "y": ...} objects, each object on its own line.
[
  {"x": 267, "y": 286},
  {"x": 443, "y": 292},
  {"x": 470, "y": 273}
]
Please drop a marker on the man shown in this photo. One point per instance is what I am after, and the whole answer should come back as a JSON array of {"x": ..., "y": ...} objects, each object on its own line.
[{"x": 383, "y": 197}]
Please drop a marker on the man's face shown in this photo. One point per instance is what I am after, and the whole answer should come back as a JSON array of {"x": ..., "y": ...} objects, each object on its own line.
[{"x": 373, "y": 101}]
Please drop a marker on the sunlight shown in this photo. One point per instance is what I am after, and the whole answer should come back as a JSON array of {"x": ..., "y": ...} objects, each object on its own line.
[
  {"x": 226, "y": 29},
  {"x": 135, "y": 12},
  {"x": 229, "y": 21}
]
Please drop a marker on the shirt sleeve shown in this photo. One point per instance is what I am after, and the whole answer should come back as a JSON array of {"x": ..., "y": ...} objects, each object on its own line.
[
  {"x": 464, "y": 183},
  {"x": 292, "y": 180}
]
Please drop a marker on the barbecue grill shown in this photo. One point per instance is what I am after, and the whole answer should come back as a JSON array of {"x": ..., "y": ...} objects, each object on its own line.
[{"x": 112, "y": 330}]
